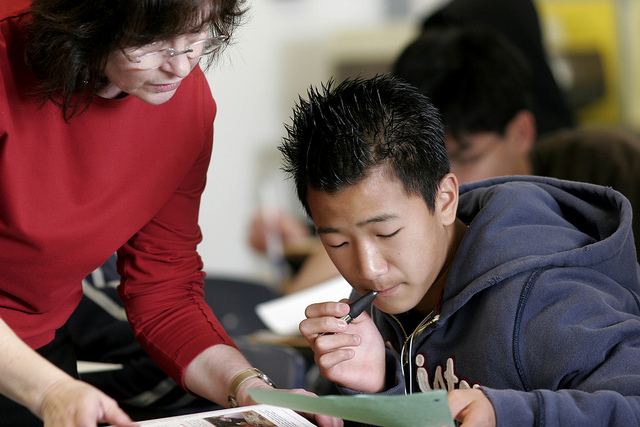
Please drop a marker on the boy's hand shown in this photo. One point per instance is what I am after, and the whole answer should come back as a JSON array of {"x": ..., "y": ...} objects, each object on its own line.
[
  {"x": 350, "y": 355},
  {"x": 472, "y": 407}
]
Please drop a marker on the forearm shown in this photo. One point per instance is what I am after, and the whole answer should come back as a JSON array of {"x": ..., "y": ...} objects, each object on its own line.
[
  {"x": 564, "y": 407},
  {"x": 211, "y": 372},
  {"x": 24, "y": 374}
]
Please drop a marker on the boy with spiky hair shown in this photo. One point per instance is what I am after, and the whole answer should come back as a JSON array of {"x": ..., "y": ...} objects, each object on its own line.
[{"x": 517, "y": 295}]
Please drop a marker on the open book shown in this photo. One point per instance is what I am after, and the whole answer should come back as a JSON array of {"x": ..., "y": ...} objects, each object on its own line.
[{"x": 257, "y": 415}]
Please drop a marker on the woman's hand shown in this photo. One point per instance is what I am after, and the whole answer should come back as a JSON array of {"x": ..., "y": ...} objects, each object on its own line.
[
  {"x": 50, "y": 393},
  {"x": 351, "y": 355},
  {"x": 73, "y": 403}
]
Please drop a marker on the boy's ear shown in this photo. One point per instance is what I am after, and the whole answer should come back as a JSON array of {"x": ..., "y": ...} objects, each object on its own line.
[{"x": 447, "y": 199}]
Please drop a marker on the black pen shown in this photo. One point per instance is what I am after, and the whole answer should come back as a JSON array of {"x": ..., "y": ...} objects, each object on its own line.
[
  {"x": 356, "y": 308},
  {"x": 359, "y": 305}
]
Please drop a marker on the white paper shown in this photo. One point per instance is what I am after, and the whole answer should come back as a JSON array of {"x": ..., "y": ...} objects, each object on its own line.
[
  {"x": 283, "y": 315},
  {"x": 85, "y": 367}
]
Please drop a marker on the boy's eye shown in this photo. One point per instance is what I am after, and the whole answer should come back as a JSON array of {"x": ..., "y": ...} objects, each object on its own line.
[
  {"x": 338, "y": 246},
  {"x": 389, "y": 235}
]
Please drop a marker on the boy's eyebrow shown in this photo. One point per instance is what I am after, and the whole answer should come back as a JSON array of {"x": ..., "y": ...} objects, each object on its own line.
[
  {"x": 327, "y": 230},
  {"x": 375, "y": 219}
]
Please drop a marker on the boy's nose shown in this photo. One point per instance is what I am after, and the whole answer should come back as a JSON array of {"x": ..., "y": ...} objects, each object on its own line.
[{"x": 371, "y": 263}]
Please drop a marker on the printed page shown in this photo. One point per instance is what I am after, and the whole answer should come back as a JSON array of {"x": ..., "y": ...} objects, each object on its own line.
[{"x": 251, "y": 416}]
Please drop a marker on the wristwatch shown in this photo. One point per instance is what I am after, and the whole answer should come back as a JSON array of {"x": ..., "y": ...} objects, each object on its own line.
[{"x": 240, "y": 378}]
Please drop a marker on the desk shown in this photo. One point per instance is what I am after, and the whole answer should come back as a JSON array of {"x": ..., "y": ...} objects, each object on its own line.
[{"x": 267, "y": 337}]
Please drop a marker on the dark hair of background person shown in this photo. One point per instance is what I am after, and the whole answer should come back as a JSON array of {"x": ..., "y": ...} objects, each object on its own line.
[
  {"x": 343, "y": 131},
  {"x": 476, "y": 78},
  {"x": 518, "y": 21},
  {"x": 69, "y": 41}
]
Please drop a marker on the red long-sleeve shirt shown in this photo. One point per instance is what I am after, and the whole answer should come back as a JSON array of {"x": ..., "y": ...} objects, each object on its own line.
[{"x": 123, "y": 176}]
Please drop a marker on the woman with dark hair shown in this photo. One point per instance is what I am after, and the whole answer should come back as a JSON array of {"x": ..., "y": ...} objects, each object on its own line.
[{"x": 106, "y": 129}]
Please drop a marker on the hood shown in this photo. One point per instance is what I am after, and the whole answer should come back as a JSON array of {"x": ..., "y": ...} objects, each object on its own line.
[{"x": 519, "y": 224}]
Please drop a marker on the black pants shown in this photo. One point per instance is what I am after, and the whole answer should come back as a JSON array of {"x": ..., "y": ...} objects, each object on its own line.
[{"x": 59, "y": 352}]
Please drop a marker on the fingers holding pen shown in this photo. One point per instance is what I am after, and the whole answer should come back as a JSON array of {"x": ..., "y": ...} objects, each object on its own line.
[
  {"x": 324, "y": 318},
  {"x": 328, "y": 309},
  {"x": 350, "y": 354},
  {"x": 325, "y": 310},
  {"x": 332, "y": 342},
  {"x": 331, "y": 350},
  {"x": 325, "y": 330}
]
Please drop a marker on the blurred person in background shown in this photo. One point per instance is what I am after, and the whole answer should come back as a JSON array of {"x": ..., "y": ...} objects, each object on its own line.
[{"x": 518, "y": 22}]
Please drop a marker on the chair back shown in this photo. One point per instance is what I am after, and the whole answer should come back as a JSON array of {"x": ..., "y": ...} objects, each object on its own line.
[
  {"x": 284, "y": 364},
  {"x": 233, "y": 301}
]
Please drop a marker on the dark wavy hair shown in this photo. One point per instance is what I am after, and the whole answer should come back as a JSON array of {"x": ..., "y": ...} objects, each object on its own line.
[
  {"x": 69, "y": 41},
  {"x": 476, "y": 78},
  {"x": 341, "y": 133}
]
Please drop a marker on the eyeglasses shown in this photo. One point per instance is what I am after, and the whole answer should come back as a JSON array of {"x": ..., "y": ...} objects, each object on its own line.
[{"x": 155, "y": 59}]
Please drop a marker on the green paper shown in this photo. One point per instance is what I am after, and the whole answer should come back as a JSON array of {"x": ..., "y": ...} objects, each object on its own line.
[{"x": 429, "y": 409}]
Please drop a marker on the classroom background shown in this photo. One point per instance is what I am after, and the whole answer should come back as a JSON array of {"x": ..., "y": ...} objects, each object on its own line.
[{"x": 284, "y": 46}]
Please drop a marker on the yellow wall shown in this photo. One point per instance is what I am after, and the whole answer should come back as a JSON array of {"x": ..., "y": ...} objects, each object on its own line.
[
  {"x": 583, "y": 25},
  {"x": 631, "y": 45}
]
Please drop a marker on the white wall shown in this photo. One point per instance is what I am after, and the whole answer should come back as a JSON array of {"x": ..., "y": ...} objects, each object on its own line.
[{"x": 283, "y": 47}]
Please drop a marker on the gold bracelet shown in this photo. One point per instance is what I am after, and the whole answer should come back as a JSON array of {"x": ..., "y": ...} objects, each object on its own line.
[{"x": 240, "y": 378}]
